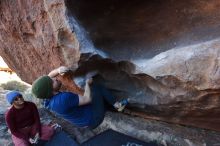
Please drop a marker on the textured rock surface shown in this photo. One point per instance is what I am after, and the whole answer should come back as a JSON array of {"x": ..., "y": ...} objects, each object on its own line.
[
  {"x": 198, "y": 64},
  {"x": 33, "y": 33},
  {"x": 164, "y": 80}
]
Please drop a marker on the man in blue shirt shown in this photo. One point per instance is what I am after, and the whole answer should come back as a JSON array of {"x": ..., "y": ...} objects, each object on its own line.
[{"x": 82, "y": 110}]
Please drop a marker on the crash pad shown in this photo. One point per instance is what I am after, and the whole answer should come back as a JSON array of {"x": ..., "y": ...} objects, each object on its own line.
[
  {"x": 114, "y": 138},
  {"x": 61, "y": 139}
]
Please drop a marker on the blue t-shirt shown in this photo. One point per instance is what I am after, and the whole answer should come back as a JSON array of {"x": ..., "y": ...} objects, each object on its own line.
[{"x": 66, "y": 104}]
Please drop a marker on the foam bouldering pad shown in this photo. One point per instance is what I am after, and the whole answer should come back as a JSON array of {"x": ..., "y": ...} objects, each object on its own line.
[
  {"x": 113, "y": 138},
  {"x": 61, "y": 139}
]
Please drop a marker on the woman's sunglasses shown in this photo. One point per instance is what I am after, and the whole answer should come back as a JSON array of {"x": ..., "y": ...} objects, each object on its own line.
[{"x": 18, "y": 97}]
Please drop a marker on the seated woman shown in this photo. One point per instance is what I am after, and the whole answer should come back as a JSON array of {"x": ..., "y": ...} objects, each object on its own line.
[{"x": 24, "y": 122}]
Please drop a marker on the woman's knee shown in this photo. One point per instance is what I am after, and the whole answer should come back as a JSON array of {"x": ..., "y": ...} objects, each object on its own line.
[{"x": 46, "y": 132}]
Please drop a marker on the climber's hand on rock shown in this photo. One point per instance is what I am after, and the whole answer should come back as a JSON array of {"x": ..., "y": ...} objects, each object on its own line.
[
  {"x": 89, "y": 81},
  {"x": 63, "y": 69}
]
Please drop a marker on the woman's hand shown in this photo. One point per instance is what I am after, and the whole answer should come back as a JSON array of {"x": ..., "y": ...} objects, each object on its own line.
[{"x": 35, "y": 139}]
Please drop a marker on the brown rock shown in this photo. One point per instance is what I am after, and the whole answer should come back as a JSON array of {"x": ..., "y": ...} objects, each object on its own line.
[{"x": 35, "y": 37}]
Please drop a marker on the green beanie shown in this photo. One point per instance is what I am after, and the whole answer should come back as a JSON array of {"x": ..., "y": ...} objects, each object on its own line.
[{"x": 42, "y": 87}]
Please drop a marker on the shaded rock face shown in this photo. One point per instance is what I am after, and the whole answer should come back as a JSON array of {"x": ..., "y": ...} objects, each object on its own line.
[
  {"x": 163, "y": 55},
  {"x": 146, "y": 28}
]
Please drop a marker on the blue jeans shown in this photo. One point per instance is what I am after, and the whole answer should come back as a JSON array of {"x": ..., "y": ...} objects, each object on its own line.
[{"x": 100, "y": 97}]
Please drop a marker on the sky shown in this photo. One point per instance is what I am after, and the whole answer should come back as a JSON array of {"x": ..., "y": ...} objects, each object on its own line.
[
  {"x": 2, "y": 63},
  {"x": 5, "y": 77}
]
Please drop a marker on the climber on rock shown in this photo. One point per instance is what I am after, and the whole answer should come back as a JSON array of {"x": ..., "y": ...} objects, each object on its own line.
[
  {"x": 24, "y": 122},
  {"x": 85, "y": 110}
]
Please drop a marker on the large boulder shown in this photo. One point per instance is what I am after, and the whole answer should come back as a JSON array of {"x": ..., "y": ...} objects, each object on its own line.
[{"x": 164, "y": 55}]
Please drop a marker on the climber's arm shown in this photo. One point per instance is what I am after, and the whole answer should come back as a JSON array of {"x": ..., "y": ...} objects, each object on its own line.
[{"x": 86, "y": 98}]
